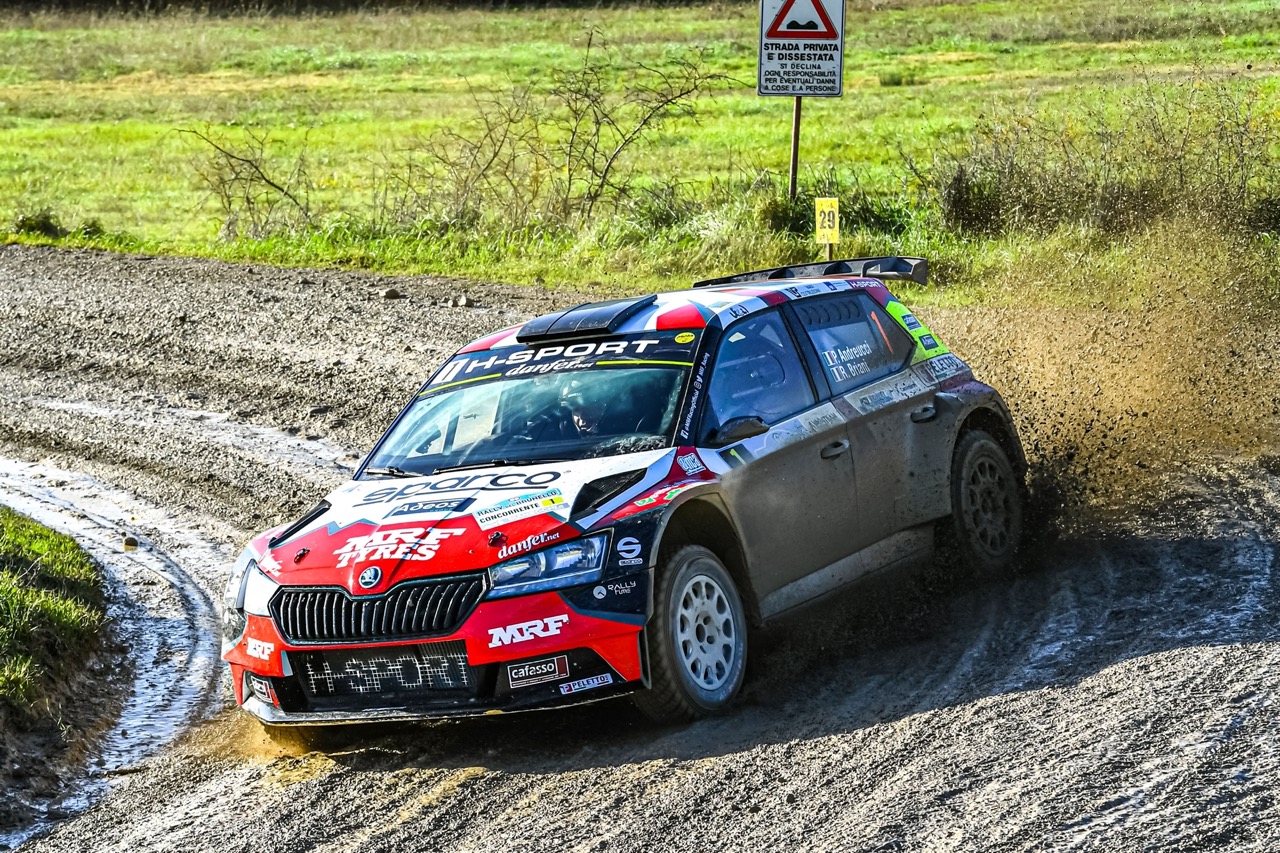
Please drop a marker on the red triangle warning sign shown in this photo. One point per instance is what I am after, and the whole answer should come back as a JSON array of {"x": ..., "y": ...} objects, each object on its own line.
[{"x": 796, "y": 21}]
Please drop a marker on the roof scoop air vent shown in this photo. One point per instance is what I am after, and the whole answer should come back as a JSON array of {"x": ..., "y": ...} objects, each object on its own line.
[{"x": 591, "y": 320}]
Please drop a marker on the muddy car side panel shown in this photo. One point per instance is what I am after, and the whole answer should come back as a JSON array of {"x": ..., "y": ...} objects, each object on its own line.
[{"x": 793, "y": 499}]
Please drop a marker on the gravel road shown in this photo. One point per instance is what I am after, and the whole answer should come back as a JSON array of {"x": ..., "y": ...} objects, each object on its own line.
[{"x": 1120, "y": 694}]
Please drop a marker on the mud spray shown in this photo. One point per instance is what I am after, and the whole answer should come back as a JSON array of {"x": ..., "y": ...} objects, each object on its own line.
[{"x": 1115, "y": 404}]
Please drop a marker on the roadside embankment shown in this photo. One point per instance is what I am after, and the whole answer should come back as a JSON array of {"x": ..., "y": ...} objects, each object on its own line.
[{"x": 54, "y": 655}]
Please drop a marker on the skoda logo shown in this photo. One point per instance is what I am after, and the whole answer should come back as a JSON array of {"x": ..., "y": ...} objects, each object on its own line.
[{"x": 369, "y": 577}]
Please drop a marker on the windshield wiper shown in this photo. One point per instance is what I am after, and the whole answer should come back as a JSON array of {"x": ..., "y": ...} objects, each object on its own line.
[
  {"x": 391, "y": 471},
  {"x": 494, "y": 463}
]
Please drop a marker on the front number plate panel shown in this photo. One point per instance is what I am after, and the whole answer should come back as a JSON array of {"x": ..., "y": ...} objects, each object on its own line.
[{"x": 414, "y": 670}]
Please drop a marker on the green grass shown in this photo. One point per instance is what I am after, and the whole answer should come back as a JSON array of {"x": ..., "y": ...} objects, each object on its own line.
[
  {"x": 51, "y": 612},
  {"x": 91, "y": 108}
]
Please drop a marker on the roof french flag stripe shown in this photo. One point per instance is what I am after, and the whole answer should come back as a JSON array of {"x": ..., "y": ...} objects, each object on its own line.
[
  {"x": 489, "y": 341},
  {"x": 687, "y": 316}
]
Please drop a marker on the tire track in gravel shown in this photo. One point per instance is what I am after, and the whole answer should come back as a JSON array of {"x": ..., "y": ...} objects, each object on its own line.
[
  {"x": 159, "y": 612},
  {"x": 1118, "y": 696}
]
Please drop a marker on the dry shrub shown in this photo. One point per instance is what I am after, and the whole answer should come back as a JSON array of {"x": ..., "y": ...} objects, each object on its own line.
[
  {"x": 261, "y": 191},
  {"x": 1201, "y": 147},
  {"x": 554, "y": 155}
]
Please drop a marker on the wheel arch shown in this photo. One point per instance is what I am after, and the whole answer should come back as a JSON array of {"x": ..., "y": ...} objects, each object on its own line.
[
  {"x": 703, "y": 520},
  {"x": 994, "y": 419}
]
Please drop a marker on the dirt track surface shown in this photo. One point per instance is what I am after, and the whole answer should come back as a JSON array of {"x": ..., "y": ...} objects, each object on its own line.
[{"x": 1118, "y": 695}]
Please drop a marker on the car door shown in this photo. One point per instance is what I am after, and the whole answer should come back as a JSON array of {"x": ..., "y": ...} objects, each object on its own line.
[
  {"x": 865, "y": 357},
  {"x": 791, "y": 490}
]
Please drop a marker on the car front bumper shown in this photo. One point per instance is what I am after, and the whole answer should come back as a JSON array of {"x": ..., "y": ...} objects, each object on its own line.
[{"x": 536, "y": 651}]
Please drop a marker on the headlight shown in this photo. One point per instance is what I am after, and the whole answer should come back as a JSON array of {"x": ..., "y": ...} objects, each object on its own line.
[
  {"x": 248, "y": 591},
  {"x": 579, "y": 561},
  {"x": 233, "y": 621},
  {"x": 258, "y": 589}
]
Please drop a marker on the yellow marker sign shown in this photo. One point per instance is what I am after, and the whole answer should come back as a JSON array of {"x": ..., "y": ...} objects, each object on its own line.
[{"x": 827, "y": 217}]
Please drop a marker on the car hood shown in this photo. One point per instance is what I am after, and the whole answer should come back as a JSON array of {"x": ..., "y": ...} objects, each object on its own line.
[{"x": 379, "y": 532}]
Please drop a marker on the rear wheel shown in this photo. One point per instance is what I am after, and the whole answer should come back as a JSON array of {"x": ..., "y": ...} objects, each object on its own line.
[
  {"x": 985, "y": 527},
  {"x": 697, "y": 639}
]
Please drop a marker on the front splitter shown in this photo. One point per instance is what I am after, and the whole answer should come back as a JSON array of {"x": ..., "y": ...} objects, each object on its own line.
[{"x": 272, "y": 716}]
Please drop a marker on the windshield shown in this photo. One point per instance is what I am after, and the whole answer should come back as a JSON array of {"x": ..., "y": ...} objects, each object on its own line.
[{"x": 540, "y": 407}]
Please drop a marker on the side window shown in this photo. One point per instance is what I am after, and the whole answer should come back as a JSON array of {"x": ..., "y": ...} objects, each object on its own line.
[
  {"x": 857, "y": 342},
  {"x": 758, "y": 372}
]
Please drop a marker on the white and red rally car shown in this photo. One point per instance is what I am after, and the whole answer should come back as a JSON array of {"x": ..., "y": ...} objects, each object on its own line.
[{"x": 603, "y": 500}]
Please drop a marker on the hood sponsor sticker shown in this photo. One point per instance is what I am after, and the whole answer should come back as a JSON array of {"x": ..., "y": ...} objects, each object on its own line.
[
  {"x": 413, "y": 543},
  {"x": 514, "y": 509},
  {"x": 538, "y": 671},
  {"x": 439, "y": 507},
  {"x": 586, "y": 684},
  {"x": 481, "y": 482}
]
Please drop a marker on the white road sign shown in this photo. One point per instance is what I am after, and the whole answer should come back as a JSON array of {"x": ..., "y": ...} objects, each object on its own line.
[{"x": 801, "y": 48}]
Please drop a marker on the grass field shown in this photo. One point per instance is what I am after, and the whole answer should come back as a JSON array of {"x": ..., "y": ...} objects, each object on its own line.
[
  {"x": 51, "y": 613},
  {"x": 92, "y": 109}
]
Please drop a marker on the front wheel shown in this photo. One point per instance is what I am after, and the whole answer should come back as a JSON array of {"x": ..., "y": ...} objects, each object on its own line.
[
  {"x": 986, "y": 506},
  {"x": 697, "y": 639}
]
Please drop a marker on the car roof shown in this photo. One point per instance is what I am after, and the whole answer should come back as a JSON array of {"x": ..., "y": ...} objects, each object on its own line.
[{"x": 715, "y": 305}]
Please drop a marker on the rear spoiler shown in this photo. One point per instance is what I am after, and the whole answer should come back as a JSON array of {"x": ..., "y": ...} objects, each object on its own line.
[{"x": 893, "y": 267}]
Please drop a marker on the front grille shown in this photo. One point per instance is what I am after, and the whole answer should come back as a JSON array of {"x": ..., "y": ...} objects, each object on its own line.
[
  {"x": 395, "y": 672},
  {"x": 411, "y": 611}
]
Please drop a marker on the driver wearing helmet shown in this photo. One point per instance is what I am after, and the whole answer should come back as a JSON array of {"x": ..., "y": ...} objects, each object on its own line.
[{"x": 586, "y": 403}]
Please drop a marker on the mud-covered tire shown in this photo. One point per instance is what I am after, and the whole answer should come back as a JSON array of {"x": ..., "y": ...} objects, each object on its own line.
[
  {"x": 985, "y": 527},
  {"x": 697, "y": 639}
]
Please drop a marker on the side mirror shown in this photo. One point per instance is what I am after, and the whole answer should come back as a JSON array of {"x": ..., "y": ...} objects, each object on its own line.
[{"x": 736, "y": 429}]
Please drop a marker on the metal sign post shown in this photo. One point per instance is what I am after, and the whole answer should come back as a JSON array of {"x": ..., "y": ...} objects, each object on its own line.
[
  {"x": 795, "y": 147},
  {"x": 801, "y": 54}
]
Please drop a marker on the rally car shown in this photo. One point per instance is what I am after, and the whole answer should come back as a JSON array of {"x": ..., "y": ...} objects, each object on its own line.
[{"x": 604, "y": 500}]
